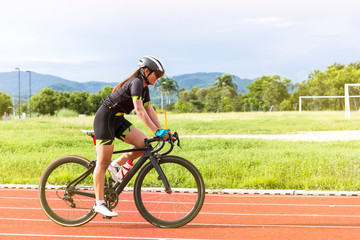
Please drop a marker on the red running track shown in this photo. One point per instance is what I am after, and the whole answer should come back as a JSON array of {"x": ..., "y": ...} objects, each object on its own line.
[{"x": 222, "y": 217}]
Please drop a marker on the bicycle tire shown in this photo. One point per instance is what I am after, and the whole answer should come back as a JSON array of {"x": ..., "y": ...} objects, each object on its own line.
[
  {"x": 55, "y": 177},
  {"x": 169, "y": 210}
]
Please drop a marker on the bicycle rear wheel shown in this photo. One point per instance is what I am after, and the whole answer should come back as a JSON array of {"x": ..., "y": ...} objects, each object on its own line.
[
  {"x": 64, "y": 203},
  {"x": 173, "y": 209}
]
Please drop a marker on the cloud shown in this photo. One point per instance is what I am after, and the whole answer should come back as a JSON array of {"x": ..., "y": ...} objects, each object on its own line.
[
  {"x": 278, "y": 22},
  {"x": 262, "y": 20},
  {"x": 106, "y": 40}
]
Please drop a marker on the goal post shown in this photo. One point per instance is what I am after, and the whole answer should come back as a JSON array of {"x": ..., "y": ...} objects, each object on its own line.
[{"x": 347, "y": 98}]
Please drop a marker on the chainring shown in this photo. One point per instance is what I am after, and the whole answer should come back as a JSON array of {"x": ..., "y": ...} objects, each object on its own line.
[{"x": 111, "y": 197}]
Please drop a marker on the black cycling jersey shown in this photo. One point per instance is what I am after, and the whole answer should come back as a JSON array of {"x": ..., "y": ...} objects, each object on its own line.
[
  {"x": 121, "y": 100},
  {"x": 109, "y": 122}
]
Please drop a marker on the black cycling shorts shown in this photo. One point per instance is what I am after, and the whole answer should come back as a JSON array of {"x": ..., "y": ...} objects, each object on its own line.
[{"x": 108, "y": 126}]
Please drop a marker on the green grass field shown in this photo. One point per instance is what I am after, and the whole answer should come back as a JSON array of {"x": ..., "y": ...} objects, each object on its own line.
[{"x": 28, "y": 146}]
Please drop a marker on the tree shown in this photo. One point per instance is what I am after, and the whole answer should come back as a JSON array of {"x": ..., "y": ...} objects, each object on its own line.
[
  {"x": 166, "y": 86},
  {"x": 253, "y": 99},
  {"x": 78, "y": 102},
  {"x": 196, "y": 105},
  {"x": 24, "y": 108},
  {"x": 275, "y": 91},
  {"x": 44, "y": 102},
  {"x": 222, "y": 82},
  {"x": 186, "y": 95},
  {"x": 191, "y": 101},
  {"x": 5, "y": 103},
  {"x": 328, "y": 83},
  {"x": 266, "y": 92},
  {"x": 213, "y": 100},
  {"x": 200, "y": 93},
  {"x": 229, "y": 101},
  {"x": 181, "y": 106},
  {"x": 62, "y": 99},
  {"x": 93, "y": 103},
  {"x": 225, "y": 80},
  {"x": 105, "y": 92}
]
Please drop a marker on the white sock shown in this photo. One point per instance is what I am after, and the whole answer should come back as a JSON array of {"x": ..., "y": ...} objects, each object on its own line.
[
  {"x": 115, "y": 164},
  {"x": 99, "y": 202}
]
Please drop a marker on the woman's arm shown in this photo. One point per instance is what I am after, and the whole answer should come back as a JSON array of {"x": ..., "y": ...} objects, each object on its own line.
[
  {"x": 144, "y": 115},
  {"x": 152, "y": 114}
]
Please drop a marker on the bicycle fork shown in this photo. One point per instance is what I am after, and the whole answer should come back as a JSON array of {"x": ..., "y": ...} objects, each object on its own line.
[{"x": 161, "y": 173}]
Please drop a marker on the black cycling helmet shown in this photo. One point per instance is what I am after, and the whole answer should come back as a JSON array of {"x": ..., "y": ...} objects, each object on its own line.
[{"x": 151, "y": 62}]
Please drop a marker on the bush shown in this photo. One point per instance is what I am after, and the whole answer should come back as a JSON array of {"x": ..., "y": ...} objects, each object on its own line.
[
  {"x": 169, "y": 107},
  {"x": 64, "y": 112}
]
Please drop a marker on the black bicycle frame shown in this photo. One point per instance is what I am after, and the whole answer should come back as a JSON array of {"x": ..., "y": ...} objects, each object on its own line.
[{"x": 119, "y": 186}]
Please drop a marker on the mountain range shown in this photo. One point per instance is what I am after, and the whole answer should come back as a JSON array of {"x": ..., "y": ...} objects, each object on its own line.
[{"x": 9, "y": 83}]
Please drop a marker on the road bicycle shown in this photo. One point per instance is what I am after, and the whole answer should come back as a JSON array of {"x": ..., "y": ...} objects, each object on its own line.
[{"x": 168, "y": 191}]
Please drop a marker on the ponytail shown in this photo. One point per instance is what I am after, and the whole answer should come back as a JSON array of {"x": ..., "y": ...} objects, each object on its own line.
[{"x": 136, "y": 73}]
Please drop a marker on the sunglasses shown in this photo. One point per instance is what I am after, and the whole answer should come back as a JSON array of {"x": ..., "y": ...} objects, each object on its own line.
[{"x": 159, "y": 74}]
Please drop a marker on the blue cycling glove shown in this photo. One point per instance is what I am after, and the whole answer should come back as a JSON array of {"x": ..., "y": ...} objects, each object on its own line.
[{"x": 162, "y": 132}]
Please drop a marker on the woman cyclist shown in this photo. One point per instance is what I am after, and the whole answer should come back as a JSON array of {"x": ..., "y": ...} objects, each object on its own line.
[{"x": 109, "y": 123}]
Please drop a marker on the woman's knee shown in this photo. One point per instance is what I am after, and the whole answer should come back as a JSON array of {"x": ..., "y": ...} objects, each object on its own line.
[
  {"x": 104, "y": 153},
  {"x": 135, "y": 137}
]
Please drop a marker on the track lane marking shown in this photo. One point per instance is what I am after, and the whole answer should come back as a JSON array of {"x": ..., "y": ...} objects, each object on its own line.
[
  {"x": 208, "y": 224},
  {"x": 223, "y": 213},
  {"x": 218, "y": 224},
  {"x": 96, "y": 237},
  {"x": 207, "y": 203},
  {"x": 232, "y": 192}
]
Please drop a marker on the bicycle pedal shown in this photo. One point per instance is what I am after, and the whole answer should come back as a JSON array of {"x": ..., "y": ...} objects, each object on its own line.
[{"x": 106, "y": 217}]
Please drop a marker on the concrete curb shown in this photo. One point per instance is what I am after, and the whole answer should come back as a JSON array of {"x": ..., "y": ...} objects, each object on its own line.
[{"x": 233, "y": 191}]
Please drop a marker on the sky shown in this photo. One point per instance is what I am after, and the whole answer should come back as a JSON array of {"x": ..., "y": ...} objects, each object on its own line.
[{"x": 102, "y": 40}]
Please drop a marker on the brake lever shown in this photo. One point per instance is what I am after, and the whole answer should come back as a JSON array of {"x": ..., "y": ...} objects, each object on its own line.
[{"x": 176, "y": 136}]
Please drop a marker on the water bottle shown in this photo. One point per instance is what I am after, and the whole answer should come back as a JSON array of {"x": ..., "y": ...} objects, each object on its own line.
[{"x": 124, "y": 170}]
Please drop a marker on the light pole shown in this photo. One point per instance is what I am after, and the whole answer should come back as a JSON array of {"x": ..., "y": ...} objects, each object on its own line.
[
  {"x": 19, "y": 90},
  {"x": 29, "y": 92}
]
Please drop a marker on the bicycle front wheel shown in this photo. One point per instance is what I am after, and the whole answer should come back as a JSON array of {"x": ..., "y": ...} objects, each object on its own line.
[
  {"x": 65, "y": 191},
  {"x": 169, "y": 209}
]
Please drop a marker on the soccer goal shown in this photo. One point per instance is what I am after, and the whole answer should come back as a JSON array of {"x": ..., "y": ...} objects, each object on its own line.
[
  {"x": 352, "y": 90},
  {"x": 351, "y": 101}
]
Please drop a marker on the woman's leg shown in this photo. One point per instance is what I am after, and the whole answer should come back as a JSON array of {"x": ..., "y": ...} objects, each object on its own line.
[
  {"x": 136, "y": 138},
  {"x": 104, "y": 134},
  {"x": 104, "y": 153}
]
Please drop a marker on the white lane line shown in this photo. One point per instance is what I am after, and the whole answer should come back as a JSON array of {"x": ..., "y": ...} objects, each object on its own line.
[
  {"x": 232, "y": 204},
  {"x": 276, "y": 226},
  {"x": 218, "y": 213},
  {"x": 96, "y": 237},
  {"x": 56, "y": 199},
  {"x": 212, "y": 224},
  {"x": 228, "y": 192}
]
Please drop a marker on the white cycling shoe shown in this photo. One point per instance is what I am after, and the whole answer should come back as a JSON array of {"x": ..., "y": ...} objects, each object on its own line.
[{"x": 104, "y": 211}]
